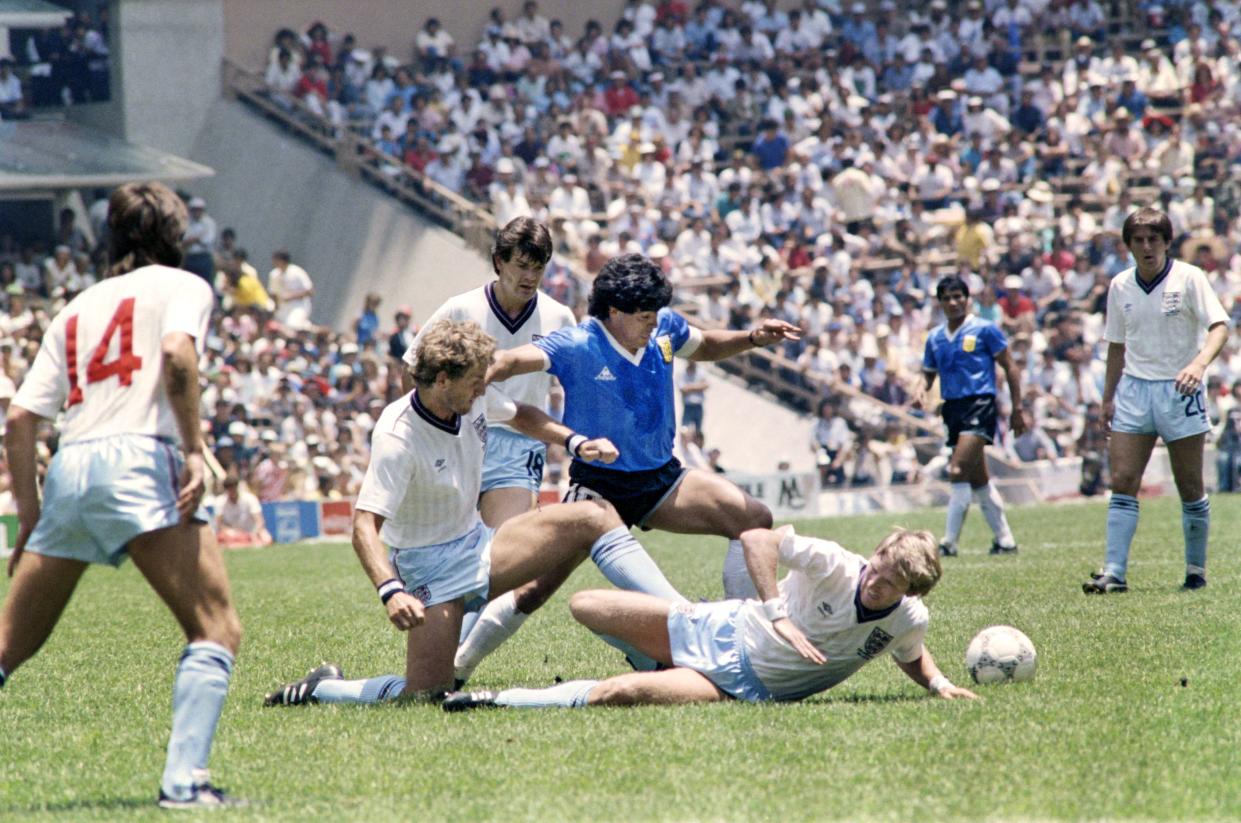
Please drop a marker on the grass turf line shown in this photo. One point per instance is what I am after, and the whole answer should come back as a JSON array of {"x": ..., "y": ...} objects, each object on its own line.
[{"x": 1105, "y": 731}]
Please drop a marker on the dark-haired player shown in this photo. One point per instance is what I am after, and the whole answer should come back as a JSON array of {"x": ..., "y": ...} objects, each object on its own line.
[
  {"x": 963, "y": 352},
  {"x": 1164, "y": 327},
  {"x": 121, "y": 361},
  {"x": 616, "y": 368}
]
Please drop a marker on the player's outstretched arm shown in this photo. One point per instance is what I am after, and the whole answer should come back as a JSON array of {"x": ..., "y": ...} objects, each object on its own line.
[
  {"x": 926, "y": 674},
  {"x": 180, "y": 365},
  {"x": 718, "y": 344},
  {"x": 404, "y": 610},
  {"x": 512, "y": 362},
  {"x": 21, "y": 426},
  {"x": 534, "y": 422}
]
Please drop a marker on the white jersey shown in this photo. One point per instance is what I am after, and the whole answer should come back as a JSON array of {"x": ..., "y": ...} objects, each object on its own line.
[
  {"x": 425, "y": 473},
  {"x": 102, "y": 358},
  {"x": 541, "y": 316},
  {"x": 821, "y": 594},
  {"x": 1162, "y": 325}
]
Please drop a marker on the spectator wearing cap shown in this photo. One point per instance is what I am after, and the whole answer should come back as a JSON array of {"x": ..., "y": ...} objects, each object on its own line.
[
  {"x": 857, "y": 30},
  {"x": 946, "y": 117},
  {"x": 239, "y": 517},
  {"x": 619, "y": 96},
  {"x": 199, "y": 241},
  {"x": 1076, "y": 74}
]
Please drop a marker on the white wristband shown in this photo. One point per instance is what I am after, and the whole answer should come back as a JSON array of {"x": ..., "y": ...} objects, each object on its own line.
[
  {"x": 775, "y": 609},
  {"x": 573, "y": 444},
  {"x": 938, "y": 683}
]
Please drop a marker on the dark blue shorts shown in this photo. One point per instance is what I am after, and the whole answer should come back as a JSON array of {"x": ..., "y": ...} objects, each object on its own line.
[
  {"x": 975, "y": 414},
  {"x": 635, "y": 495}
]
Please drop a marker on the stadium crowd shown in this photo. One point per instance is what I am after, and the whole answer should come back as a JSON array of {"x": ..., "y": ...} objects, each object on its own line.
[
  {"x": 58, "y": 66},
  {"x": 826, "y": 163}
]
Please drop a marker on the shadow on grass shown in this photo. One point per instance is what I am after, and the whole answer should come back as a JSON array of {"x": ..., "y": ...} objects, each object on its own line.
[
  {"x": 85, "y": 805},
  {"x": 869, "y": 698}
]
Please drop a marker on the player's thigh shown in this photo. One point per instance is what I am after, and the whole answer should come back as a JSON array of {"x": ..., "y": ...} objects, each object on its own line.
[
  {"x": 499, "y": 505},
  {"x": 706, "y": 503},
  {"x": 969, "y": 460},
  {"x": 429, "y": 648},
  {"x": 637, "y": 618},
  {"x": 538, "y": 542},
  {"x": 647, "y": 688},
  {"x": 184, "y": 565},
  {"x": 1185, "y": 456},
  {"x": 1128, "y": 455},
  {"x": 36, "y": 598}
]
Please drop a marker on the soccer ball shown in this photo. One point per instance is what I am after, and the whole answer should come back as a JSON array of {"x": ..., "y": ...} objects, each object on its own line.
[{"x": 1000, "y": 654}]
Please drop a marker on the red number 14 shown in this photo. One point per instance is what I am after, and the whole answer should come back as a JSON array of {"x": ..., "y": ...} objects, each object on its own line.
[{"x": 123, "y": 367}]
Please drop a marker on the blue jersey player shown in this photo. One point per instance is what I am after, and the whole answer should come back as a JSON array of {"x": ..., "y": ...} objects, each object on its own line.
[
  {"x": 616, "y": 370},
  {"x": 963, "y": 352}
]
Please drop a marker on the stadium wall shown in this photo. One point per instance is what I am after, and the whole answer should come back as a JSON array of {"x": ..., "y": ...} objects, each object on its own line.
[
  {"x": 278, "y": 192},
  {"x": 251, "y": 24}
]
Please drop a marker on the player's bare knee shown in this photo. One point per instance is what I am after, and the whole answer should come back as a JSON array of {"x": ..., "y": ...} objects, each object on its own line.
[
  {"x": 617, "y": 691},
  {"x": 586, "y": 606},
  {"x": 758, "y": 516}
]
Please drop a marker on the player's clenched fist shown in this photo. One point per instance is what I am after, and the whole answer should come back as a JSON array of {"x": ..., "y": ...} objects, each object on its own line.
[
  {"x": 405, "y": 611},
  {"x": 598, "y": 450}
]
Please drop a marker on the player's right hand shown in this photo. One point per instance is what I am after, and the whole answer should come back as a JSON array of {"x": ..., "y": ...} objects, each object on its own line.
[
  {"x": 25, "y": 527},
  {"x": 405, "y": 611},
  {"x": 192, "y": 486},
  {"x": 1105, "y": 414},
  {"x": 600, "y": 449}
]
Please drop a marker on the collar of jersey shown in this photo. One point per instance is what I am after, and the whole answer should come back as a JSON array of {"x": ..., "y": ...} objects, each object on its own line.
[
  {"x": 1154, "y": 284},
  {"x": 501, "y": 315},
  {"x": 865, "y": 615},
  {"x": 952, "y": 335},
  {"x": 453, "y": 427},
  {"x": 635, "y": 359}
]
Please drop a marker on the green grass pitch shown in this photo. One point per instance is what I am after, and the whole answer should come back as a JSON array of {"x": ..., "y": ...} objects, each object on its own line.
[{"x": 1106, "y": 730}]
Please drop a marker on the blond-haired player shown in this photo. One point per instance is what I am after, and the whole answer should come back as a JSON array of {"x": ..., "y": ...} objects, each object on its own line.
[
  {"x": 831, "y": 614},
  {"x": 121, "y": 362}
]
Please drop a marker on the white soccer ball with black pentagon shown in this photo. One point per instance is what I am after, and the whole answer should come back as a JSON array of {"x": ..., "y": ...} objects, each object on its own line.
[{"x": 1001, "y": 654}]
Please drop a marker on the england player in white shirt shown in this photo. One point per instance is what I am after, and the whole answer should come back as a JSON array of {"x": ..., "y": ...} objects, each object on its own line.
[
  {"x": 1164, "y": 327},
  {"x": 831, "y": 614},
  {"x": 121, "y": 361},
  {"x": 419, "y": 498}
]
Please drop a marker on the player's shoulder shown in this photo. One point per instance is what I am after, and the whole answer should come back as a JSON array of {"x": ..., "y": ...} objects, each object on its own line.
[
  {"x": 914, "y": 611},
  {"x": 1187, "y": 273},
  {"x": 162, "y": 281},
  {"x": 550, "y": 307}
]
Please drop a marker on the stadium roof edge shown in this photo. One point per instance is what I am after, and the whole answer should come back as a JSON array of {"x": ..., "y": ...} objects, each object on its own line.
[
  {"x": 56, "y": 154},
  {"x": 31, "y": 14}
]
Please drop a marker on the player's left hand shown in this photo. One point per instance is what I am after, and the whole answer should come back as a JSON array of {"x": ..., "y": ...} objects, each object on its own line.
[
  {"x": 956, "y": 693},
  {"x": 600, "y": 449},
  {"x": 798, "y": 640},
  {"x": 773, "y": 331},
  {"x": 1017, "y": 422},
  {"x": 192, "y": 486},
  {"x": 1190, "y": 379}
]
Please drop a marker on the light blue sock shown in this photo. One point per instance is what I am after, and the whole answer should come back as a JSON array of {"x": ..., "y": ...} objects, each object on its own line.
[
  {"x": 1122, "y": 522},
  {"x": 4, "y": 677},
  {"x": 1196, "y": 523},
  {"x": 372, "y": 690},
  {"x": 467, "y": 624},
  {"x": 571, "y": 695},
  {"x": 626, "y": 565},
  {"x": 198, "y": 694}
]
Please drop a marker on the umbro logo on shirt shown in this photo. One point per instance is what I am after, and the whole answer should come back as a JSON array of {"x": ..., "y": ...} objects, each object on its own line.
[
  {"x": 606, "y": 374},
  {"x": 440, "y": 464}
]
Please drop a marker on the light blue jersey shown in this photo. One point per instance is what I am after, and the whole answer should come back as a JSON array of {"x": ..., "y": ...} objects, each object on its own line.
[
  {"x": 624, "y": 397},
  {"x": 964, "y": 359}
]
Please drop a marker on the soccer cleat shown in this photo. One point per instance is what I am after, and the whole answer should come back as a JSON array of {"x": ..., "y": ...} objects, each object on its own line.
[
  {"x": 463, "y": 701},
  {"x": 1194, "y": 581},
  {"x": 1104, "y": 584},
  {"x": 947, "y": 550},
  {"x": 302, "y": 692},
  {"x": 204, "y": 796},
  {"x": 996, "y": 548}
]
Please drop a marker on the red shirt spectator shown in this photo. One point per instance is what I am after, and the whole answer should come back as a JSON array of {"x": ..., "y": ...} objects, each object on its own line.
[
  {"x": 1015, "y": 302},
  {"x": 619, "y": 97}
]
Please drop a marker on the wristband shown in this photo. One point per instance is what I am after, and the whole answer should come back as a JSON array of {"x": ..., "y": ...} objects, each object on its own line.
[
  {"x": 775, "y": 609},
  {"x": 938, "y": 683},
  {"x": 388, "y": 589},
  {"x": 750, "y": 336},
  {"x": 573, "y": 444}
]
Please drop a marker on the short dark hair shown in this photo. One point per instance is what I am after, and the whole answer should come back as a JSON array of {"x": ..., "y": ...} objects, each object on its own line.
[
  {"x": 951, "y": 283},
  {"x": 1147, "y": 216},
  {"x": 629, "y": 283},
  {"x": 281, "y": 254},
  {"x": 523, "y": 236},
  {"x": 145, "y": 222}
]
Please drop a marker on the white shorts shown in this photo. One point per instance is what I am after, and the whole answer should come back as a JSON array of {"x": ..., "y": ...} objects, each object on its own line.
[
  {"x": 704, "y": 637},
  {"x": 512, "y": 461},
  {"x": 1156, "y": 407},
  {"x": 443, "y": 572},
  {"x": 100, "y": 494}
]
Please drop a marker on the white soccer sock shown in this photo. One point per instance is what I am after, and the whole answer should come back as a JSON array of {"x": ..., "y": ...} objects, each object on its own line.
[
  {"x": 498, "y": 622},
  {"x": 737, "y": 582},
  {"x": 573, "y": 694},
  {"x": 958, "y": 505},
  {"x": 992, "y": 506}
]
